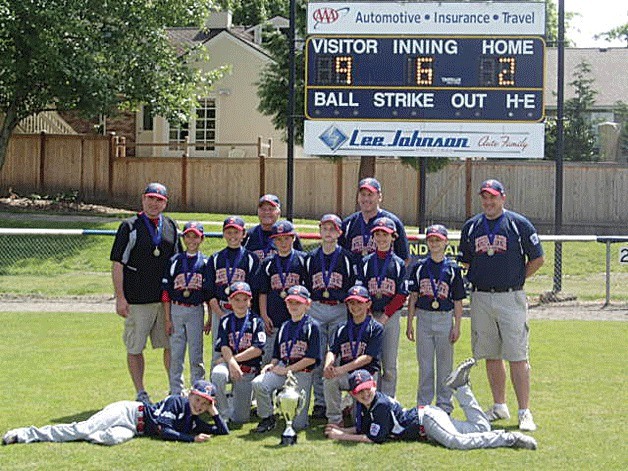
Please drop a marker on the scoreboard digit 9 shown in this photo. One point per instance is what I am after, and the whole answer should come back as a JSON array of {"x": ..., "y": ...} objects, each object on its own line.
[{"x": 432, "y": 78}]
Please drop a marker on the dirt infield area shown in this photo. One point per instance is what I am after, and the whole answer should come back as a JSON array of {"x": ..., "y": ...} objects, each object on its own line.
[{"x": 570, "y": 310}]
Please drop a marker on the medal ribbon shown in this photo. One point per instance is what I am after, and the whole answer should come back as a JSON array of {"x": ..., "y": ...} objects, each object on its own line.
[
  {"x": 293, "y": 339},
  {"x": 366, "y": 235},
  {"x": 354, "y": 344},
  {"x": 441, "y": 275},
  {"x": 264, "y": 242},
  {"x": 326, "y": 271},
  {"x": 188, "y": 274},
  {"x": 381, "y": 271},
  {"x": 230, "y": 269},
  {"x": 238, "y": 338},
  {"x": 155, "y": 233},
  {"x": 280, "y": 269},
  {"x": 491, "y": 234}
]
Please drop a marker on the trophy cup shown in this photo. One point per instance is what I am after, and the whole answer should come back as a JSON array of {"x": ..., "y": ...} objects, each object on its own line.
[{"x": 289, "y": 402}]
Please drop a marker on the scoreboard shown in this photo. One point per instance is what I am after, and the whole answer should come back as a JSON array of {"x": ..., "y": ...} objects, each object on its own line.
[{"x": 424, "y": 77}]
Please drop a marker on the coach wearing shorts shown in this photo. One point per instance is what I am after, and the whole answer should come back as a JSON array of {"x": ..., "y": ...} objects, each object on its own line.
[
  {"x": 501, "y": 249},
  {"x": 143, "y": 245}
]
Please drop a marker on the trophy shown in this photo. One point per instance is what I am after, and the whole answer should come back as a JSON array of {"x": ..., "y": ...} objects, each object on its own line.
[{"x": 289, "y": 402}]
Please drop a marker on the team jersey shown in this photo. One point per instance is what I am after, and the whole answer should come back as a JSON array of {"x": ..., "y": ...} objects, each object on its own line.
[
  {"x": 363, "y": 339},
  {"x": 134, "y": 248},
  {"x": 383, "y": 277},
  {"x": 178, "y": 280},
  {"x": 514, "y": 241},
  {"x": 228, "y": 266},
  {"x": 447, "y": 278},
  {"x": 248, "y": 332},
  {"x": 258, "y": 241},
  {"x": 172, "y": 419},
  {"x": 356, "y": 235},
  {"x": 275, "y": 275},
  {"x": 334, "y": 273},
  {"x": 297, "y": 340},
  {"x": 385, "y": 419}
]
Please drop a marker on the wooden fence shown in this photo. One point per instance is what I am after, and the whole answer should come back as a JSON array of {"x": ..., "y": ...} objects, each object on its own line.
[{"x": 595, "y": 194}]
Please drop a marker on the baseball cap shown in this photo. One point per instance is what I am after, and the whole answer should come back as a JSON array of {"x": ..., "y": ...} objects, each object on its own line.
[
  {"x": 272, "y": 199},
  {"x": 359, "y": 293},
  {"x": 437, "y": 230},
  {"x": 493, "y": 187},
  {"x": 233, "y": 221},
  {"x": 240, "y": 287},
  {"x": 384, "y": 224},
  {"x": 370, "y": 184},
  {"x": 360, "y": 380},
  {"x": 335, "y": 220},
  {"x": 298, "y": 293},
  {"x": 194, "y": 226},
  {"x": 204, "y": 389},
  {"x": 282, "y": 228},
  {"x": 158, "y": 190}
]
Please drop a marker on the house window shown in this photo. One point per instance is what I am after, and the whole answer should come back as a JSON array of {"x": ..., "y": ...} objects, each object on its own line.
[
  {"x": 205, "y": 125},
  {"x": 147, "y": 118},
  {"x": 178, "y": 137}
]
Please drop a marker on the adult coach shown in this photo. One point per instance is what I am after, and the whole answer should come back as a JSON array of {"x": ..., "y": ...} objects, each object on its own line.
[
  {"x": 501, "y": 249},
  {"x": 356, "y": 228},
  {"x": 143, "y": 245}
]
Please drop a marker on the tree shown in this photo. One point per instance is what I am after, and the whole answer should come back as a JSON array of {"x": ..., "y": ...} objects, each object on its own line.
[
  {"x": 254, "y": 12},
  {"x": 579, "y": 137},
  {"x": 620, "y": 32},
  {"x": 95, "y": 57}
]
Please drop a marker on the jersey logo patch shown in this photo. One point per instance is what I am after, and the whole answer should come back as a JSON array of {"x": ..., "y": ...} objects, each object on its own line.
[
  {"x": 534, "y": 238},
  {"x": 374, "y": 429}
]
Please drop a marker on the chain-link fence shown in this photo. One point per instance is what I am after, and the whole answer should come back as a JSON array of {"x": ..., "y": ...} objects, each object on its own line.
[{"x": 32, "y": 259}]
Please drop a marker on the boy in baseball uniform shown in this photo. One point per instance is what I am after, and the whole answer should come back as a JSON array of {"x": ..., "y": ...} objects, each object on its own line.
[
  {"x": 184, "y": 297},
  {"x": 174, "y": 418},
  {"x": 436, "y": 290},
  {"x": 296, "y": 349},
  {"x": 241, "y": 341}
]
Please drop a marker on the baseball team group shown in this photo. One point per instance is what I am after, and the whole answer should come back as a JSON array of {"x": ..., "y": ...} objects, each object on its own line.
[{"x": 331, "y": 317}]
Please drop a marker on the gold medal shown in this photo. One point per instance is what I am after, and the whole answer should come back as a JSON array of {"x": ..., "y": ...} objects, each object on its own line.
[
  {"x": 378, "y": 295},
  {"x": 156, "y": 252},
  {"x": 325, "y": 294},
  {"x": 490, "y": 252},
  {"x": 365, "y": 252},
  {"x": 283, "y": 293},
  {"x": 186, "y": 293},
  {"x": 435, "y": 304},
  {"x": 227, "y": 291}
]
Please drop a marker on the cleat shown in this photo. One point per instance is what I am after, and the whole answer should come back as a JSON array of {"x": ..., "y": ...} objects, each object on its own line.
[
  {"x": 143, "y": 396},
  {"x": 266, "y": 424},
  {"x": 524, "y": 441},
  {"x": 318, "y": 412},
  {"x": 9, "y": 438},
  {"x": 497, "y": 412},
  {"x": 526, "y": 422},
  {"x": 460, "y": 376}
]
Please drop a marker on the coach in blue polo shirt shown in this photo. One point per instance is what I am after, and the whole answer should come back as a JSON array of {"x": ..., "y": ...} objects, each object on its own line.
[{"x": 501, "y": 249}]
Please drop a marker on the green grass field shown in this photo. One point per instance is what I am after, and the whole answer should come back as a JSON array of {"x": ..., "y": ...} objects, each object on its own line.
[{"x": 62, "y": 367}]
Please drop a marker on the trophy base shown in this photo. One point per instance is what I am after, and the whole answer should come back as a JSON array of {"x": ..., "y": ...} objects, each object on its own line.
[{"x": 288, "y": 440}]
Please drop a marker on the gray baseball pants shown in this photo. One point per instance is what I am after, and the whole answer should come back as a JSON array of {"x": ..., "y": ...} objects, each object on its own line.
[
  {"x": 240, "y": 408},
  {"x": 187, "y": 324},
  {"x": 390, "y": 345}
]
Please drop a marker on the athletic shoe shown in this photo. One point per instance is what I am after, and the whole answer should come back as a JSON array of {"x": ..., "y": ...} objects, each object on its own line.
[
  {"x": 143, "y": 396},
  {"x": 266, "y": 424},
  {"x": 460, "y": 376},
  {"x": 526, "y": 422},
  {"x": 497, "y": 412},
  {"x": 9, "y": 438},
  {"x": 524, "y": 441},
  {"x": 318, "y": 412}
]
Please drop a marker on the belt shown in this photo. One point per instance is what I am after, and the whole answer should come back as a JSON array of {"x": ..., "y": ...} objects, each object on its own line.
[
  {"x": 497, "y": 290},
  {"x": 178, "y": 303},
  {"x": 248, "y": 369},
  {"x": 141, "y": 425},
  {"x": 329, "y": 303}
]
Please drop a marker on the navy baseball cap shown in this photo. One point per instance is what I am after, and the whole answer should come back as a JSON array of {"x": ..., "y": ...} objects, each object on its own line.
[
  {"x": 359, "y": 293},
  {"x": 360, "y": 380},
  {"x": 158, "y": 190},
  {"x": 493, "y": 187},
  {"x": 204, "y": 389},
  {"x": 437, "y": 230},
  {"x": 384, "y": 224},
  {"x": 335, "y": 220},
  {"x": 194, "y": 226},
  {"x": 370, "y": 184},
  {"x": 233, "y": 221},
  {"x": 282, "y": 228},
  {"x": 240, "y": 287},
  {"x": 298, "y": 293},
  {"x": 272, "y": 199}
]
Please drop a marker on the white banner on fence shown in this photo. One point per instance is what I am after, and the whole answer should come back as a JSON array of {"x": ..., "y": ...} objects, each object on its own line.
[
  {"x": 426, "y": 18},
  {"x": 404, "y": 139}
]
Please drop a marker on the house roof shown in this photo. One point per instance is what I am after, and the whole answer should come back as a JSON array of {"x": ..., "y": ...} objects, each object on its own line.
[
  {"x": 607, "y": 69},
  {"x": 188, "y": 37}
]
